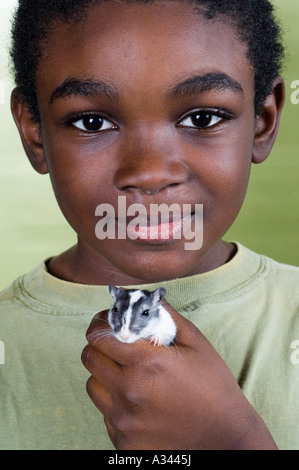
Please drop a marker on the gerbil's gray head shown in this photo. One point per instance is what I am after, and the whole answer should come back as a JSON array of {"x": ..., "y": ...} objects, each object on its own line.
[{"x": 134, "y": 312}]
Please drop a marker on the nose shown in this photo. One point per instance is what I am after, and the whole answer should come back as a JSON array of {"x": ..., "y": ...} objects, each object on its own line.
[
  {"x": 150, "y": 170},
  {"x": 125, "y": 335}
]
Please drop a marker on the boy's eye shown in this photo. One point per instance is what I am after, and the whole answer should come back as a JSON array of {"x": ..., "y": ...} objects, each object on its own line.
[
  {"x": 93, "y": 123},
  {"x": 200, "y": 120}
]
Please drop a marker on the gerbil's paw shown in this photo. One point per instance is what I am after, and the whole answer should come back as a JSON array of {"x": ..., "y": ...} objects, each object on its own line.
[{"x": 156, "y": 340}]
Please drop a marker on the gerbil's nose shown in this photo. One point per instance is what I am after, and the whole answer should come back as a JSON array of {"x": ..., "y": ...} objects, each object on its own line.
[
  {"x": 150, "y": 169},
  {"x": 124, "y": 335}
]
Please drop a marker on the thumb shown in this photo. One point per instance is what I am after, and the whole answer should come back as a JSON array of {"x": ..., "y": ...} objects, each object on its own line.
[{"x": 187, "y": 333}]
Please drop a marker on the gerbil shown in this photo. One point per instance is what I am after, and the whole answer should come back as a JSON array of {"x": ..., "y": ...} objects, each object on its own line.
[{"x": 138, "y": 314}]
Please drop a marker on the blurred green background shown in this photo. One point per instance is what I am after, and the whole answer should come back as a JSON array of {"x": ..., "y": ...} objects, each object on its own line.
[{"x": 32, "y": 227}]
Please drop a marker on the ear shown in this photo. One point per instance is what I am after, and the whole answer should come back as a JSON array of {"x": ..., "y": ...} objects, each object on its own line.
[
  {"x": 268, "y": 122},
  {"x": 30, "y": 133},
  {"x": 158, "y": 295},
  {"x": 113, "y": 291}
]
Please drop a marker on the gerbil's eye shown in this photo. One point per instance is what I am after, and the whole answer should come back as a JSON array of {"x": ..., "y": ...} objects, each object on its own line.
[
  {"x": 93, "y": 123},
  {"x": 145, "y": 313},
  {"x": 115, "y": 309}
]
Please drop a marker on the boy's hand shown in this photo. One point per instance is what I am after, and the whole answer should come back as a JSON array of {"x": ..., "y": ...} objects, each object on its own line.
[{"x": 178, "y": 397}]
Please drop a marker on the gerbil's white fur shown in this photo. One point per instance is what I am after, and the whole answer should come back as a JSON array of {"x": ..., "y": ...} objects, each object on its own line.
[
  {"x": 135, "y": 296},
  {"x": 163, "y": 330}
]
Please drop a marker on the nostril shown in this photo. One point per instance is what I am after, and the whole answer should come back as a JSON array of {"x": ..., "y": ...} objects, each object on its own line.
[
  {"x": 150, "y": 178},
  {"x": 150, "y": 184},
  {"x": 151, "y": 192}
]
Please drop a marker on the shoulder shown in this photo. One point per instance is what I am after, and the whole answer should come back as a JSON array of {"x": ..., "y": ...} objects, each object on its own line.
[
  {"x": 282, "y": 277},
  {"x": 12, "y": 309},
  {"x": 11, "y": 304},
  {"x": 276, "y": 274},
  {"x": 277, "y": 295},
  {"x": 278, "y": 267},
  {"x": 268, "y": 285},
  {"x": 16, "y": 292},
  {"x": 8, "y": 294}
]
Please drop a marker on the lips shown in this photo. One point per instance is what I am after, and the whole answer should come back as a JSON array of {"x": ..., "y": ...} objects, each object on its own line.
[
  {"x": 157, "y": 229},
  {"x": 156, "y": 223}
]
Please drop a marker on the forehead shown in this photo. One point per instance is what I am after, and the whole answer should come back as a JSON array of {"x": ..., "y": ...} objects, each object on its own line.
[{"x": 139, "y": 46}]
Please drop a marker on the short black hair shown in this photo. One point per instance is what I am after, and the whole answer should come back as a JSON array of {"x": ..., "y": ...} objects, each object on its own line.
[{"x": 254, "y": 21}]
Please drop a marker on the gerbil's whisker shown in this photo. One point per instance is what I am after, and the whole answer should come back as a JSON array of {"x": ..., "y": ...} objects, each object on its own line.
[
  {"x": 102, "y": 319},
  {"x": 97, "y": 335},
  {"x": 173, "y": 347},
  {"x": 177, "y": 350}
]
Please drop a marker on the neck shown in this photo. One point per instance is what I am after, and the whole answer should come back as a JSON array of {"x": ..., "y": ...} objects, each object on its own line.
[{"x": 81, "y": 264}]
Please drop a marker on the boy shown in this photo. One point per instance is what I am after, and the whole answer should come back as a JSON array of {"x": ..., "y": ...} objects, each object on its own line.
[{"x": 159, "y": 102}]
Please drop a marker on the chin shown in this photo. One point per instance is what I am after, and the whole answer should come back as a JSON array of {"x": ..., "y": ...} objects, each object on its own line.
[
  {"x": 151, "y": 264},
  {"x": 158, "y": 272}
]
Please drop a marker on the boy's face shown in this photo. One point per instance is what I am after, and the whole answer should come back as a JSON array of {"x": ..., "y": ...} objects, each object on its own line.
[{"x": 177, "y": 97}]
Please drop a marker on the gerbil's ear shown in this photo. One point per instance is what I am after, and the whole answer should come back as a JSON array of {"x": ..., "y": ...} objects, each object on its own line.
[
  {"x": 113, "y": 291},
  {"x": 30, "y": 133},
  {"x": 268, "y": 122},
  {"x": 158, "y": 295}
]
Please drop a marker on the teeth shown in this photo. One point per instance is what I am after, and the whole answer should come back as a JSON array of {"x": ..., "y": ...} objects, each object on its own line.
[{"x": 156, "y": 232}]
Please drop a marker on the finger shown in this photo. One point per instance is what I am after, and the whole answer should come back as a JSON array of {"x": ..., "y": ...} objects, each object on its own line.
[
  {"x": 106, "y": 371},
  {"x": 99, "y": 321},
  {"x": 187, "y": 333},
  {"x": 111, "y": 431},
  {"x": 99, "y": 396}
]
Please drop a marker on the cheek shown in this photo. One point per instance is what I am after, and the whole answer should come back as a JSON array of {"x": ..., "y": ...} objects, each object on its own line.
[
  {"x": 229, "y": 179},
  {"x": 223, "y": 173},
  {"x": 80, "y": 185},
  {"x": 76, "y": 201}
]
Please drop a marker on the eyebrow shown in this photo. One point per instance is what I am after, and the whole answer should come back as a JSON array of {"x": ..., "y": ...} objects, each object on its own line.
[
  {"x": 191, "y": 86},
  {"x": 88, "y": 88},
  {"x": 202, "y": 83}
]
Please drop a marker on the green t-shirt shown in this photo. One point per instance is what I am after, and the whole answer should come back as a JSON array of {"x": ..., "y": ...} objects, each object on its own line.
[{"x": 248, "y": 309}]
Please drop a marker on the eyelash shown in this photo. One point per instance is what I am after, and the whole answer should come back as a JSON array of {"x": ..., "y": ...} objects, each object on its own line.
[
  {"x": 72, "y": 119},
  {"x": 216, "y": 113}
]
